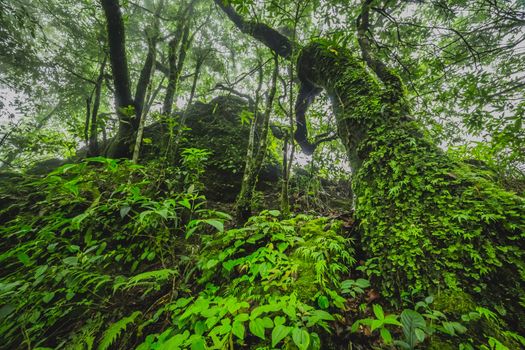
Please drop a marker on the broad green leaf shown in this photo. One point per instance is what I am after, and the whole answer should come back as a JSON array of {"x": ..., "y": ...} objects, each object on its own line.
[
  {"x": 315, "y": 342},
  {"x": 378, "y": 311},
  {"x": 279, "y": 333},
  {"x": 278, "y": 320},
  {"x": 257, "y": 327},
  {"x": 323, "y": 302},
  {"x": 198, "y": 344},
  {"x": 420, "y": 334},
  {"x": 174, "y": 342},
  {"x": 242, "y": 317},
  {"x": 24, "y": 258},
  {"x": 376, "y": 324},
  {"x": 391, "y": 319},
  {"x": 238, "y": 329},
  {"x": 215, "y": 223},
  {"x": 301, "y": 338},
  {"x": 386, "y": 335},
  {"x": 411, "y": 322}
]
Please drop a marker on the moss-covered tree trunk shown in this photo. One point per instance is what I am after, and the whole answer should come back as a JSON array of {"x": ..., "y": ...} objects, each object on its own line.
[
  {"x": 430, "y": 222},
  {"x": 427, "y": 222}
]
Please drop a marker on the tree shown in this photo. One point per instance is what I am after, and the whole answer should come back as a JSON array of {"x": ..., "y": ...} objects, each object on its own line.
[
  {"x": 129, "y": 109},
  {"x": 423, "y": 216}
]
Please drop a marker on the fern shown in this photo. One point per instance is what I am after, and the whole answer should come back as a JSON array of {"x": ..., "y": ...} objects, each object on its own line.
[
  {"x": 148, "y": 277},
  {"x": 113, "y": 332}
]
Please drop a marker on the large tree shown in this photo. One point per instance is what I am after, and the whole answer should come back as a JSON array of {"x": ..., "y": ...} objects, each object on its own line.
[{"x": 427, "y": 221}]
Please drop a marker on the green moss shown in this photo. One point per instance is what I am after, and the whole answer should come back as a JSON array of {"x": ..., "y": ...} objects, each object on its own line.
[
  {"x": 437, "y": 343},
  {"x": 454, "y": 302},
  {"x": 431, "y": 223}
]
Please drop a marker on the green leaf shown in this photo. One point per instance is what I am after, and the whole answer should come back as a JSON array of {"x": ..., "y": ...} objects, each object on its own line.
[
  {"x": 315, "y": 342},
  {"x": 48, "y": 296},
  {"x": 362, "y": 283},
  {"x": 323, "y": 302},
  {"x": 322, "y": 315},
  {"x": 411, "y": 321},
  {"x": 238, "y": 329},
  {"x": 174, "y": 342},
  {"x": 242, "y": 317},
  {"x": 376, "y": 324},
  {"x": 279, "y": 320},
  {"x": 279, "y": 333},
  {"x": 301, "y": 338},
  {"x": 124, "y": 211},
  {"x": 267, "y": 322},
  {"x": 420, "y": 334},
  {"x": 215, "y": 223},
  {"x": 114, "y": 331},
  {"x": 378, "y": 311},
  {"x": 24, "y": 258},
  {"x": 197, "y": 344},
  {"x": 386, "y": 335},
  {"x": 72, "y": 260},
  {"x": 257, "y": 327}
]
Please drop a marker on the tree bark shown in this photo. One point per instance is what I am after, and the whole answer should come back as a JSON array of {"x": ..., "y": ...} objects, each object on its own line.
[
  {"x": 93, "y": 132},
  {"x": 124, "y": 104},
  {"x": 176, "y": 62}
]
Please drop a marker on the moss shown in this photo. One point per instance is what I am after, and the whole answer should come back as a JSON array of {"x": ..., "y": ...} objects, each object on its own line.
[
  {"x": 437, "y": 343},
  {"x": 306, "y": 284},
  {"x": 454, "y": 302},
  {"x": 431, "y": 223},
  {"x": 216, "y": 126}
]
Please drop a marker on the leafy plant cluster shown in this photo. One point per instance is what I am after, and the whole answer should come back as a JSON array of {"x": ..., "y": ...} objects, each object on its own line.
[
  {"x": 92, "y": 241},
  {"x": 271, "y": 283}
]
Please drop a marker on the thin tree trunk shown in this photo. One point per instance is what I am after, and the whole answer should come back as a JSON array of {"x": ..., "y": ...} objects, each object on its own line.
[
  {"x": 257, "y": 147},
  {"x": 93, "y": 133},
  {"x": 182, "y": 122},
  {"x": 87, "y": 120},
  {"x": 176, "y": 62},
  {"x": 144, "y": 84}
]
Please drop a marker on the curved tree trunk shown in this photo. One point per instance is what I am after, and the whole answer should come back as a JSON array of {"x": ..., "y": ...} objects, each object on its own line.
[{"x": 429, "y": 223}]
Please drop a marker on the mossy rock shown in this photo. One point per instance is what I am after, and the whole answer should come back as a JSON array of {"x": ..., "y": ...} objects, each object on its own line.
[{"x": 216, "y": 126}]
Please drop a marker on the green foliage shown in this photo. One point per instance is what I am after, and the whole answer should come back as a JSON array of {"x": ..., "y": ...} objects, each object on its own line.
[
  {"x": 379, "y": 323},
  {"x": 412, "y": 202},
  {"x": 114, "y": 331},
  {"x": 254, "y": 281},
  {"x": 92, "y": 236}
]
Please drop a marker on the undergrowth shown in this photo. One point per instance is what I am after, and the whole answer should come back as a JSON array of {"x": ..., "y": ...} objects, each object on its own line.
[{"x": 107, "y": 254}]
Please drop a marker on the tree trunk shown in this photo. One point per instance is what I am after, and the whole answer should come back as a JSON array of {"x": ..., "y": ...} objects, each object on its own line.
[
  {"x": 429, "y": 223},
  {"x": 124, "y": 104},
  {"x": 257, "y": 147},
  {"x": 93, "y": 132},
  {"x": 176, "y": 62}
]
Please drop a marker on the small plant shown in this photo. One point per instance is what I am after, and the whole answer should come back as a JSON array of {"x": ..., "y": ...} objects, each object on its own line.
[
  {"x": 353, "y": 288},
  {"x": 379, "y": 323}
]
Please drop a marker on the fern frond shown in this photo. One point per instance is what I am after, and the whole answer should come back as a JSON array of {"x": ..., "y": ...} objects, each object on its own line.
[
  {"x": 113, "y": 332},
  {"x": 148, "y": 277}
]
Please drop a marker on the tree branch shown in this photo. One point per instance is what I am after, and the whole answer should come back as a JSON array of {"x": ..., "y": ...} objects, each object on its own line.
[
  {"x": 274, "y": 40},
  {"x": 380, "y": 69}
]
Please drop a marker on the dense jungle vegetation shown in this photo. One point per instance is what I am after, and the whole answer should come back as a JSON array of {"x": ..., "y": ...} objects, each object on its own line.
[{"x": 241, "y": 174}]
